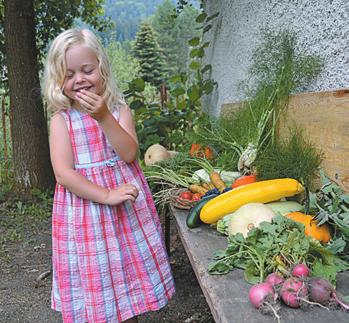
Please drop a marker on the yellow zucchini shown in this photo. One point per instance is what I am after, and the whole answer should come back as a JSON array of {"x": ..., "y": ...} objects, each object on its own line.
[{"x": 262, "y": 192}]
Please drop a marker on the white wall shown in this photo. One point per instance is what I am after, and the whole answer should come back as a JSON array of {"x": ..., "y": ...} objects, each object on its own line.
[{"x": 321, "y": 27}]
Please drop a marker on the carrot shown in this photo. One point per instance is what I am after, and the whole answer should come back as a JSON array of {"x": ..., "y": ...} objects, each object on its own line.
[
  {"x": 195, "y": 188},
  {"x": 206, "y": 186},
  {"x": 217, "y": 181}
]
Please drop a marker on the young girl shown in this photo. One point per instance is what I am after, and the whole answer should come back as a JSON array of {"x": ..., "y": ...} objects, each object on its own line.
[{"x": 109, "y": 260}]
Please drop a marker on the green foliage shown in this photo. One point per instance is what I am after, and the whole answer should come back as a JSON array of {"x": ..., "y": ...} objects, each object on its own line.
[
  {"x": 51, "y": 17},
  {"x": 166, "y": 119},
  {"x": 174, "y": 31},
  {"x": 293, "y": 157},
  {"x": 124, "y": 66},
  {"x": 276, "y": 246},
  {"x": 149, "y": 55},
  {"x": 276, "y": 71}
]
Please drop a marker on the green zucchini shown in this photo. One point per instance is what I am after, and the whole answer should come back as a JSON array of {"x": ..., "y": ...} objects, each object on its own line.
[{"x": 193, "y": 217}]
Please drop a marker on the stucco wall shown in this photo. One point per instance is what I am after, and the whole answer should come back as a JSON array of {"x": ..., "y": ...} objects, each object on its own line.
[{"x": 321, "y": 27}]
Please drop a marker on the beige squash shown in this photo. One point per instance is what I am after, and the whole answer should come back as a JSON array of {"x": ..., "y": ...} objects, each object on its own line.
[
  {"x": 155, "y": 154},
  {"x": 249, "y": 216}
]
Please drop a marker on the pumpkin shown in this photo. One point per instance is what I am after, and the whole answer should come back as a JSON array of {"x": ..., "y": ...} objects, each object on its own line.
[
  {"x": 197, "y": 150},
  {"x": 156, "y": 153},
  {"x": 320, "y": 233},
  {"x": 249, "y": 216}
]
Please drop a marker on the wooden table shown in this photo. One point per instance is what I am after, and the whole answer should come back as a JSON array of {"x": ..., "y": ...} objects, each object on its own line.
[{"x": 227, "y": 295}]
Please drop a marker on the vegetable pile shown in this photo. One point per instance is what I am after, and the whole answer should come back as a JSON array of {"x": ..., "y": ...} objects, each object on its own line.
[
  {"x": 296, "y": 290},
  {"x": 275, "y": 247}
]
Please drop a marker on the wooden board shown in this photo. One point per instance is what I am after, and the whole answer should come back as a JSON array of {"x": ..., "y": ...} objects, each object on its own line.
[
  {"x": 324, "y": 116},
  {"x": 227, "y": 295}
]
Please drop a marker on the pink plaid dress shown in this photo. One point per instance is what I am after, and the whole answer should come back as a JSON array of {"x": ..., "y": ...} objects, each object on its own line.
[{"x": 109, "y": 262}]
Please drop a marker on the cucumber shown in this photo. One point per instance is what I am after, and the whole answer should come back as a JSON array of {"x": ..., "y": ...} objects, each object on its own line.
[{"x": 193, "y": 217}]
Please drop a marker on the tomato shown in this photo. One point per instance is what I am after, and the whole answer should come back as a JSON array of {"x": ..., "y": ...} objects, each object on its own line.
[
  {"x": 186, "y": 195},
  {"x": 197, "y": 197}
]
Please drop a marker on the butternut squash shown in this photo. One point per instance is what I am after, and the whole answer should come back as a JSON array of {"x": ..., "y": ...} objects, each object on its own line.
[{"x": 262, "y": 192}]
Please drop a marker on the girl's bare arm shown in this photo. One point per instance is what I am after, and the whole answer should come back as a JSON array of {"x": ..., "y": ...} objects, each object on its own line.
[
  {"x": 121, "y": 134},
  {"x": 63, "y": 167}
]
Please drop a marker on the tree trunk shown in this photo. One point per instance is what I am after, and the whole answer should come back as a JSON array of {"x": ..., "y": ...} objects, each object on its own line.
[{"x": 30, "y": 150}]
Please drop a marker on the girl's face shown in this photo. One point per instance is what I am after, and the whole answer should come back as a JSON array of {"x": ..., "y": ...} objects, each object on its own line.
[{"x": 82, "y": 72}]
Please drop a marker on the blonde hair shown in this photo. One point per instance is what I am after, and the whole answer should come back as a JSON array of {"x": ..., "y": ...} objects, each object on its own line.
[{"x": 55, "y": 70}]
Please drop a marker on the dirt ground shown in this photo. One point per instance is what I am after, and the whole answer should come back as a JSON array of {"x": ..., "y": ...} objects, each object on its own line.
[{"x": 25, "y": 298}]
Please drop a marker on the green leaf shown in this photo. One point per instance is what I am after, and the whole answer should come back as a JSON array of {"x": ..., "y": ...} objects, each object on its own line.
[
  {"x": 218, "y": 268},
  {"x": 328, "y": 272},
  {"x": 136, "y": 104},
  {"x": 194, "y": 41},
  {"x": 138, "y": 84},
  {"x": 208, "y": 87},
  {"x": 206, "y": 28},
  {"x": 212, "y": 16},
  {"x": 201, "y": 18},
  {"x": 194, "y": 65},
  {"x": 206, "y": 68},
  {"x": 194, "y": 53},
  {"x": 194, "y": 93},
  {"x": 178, "y": 91}
]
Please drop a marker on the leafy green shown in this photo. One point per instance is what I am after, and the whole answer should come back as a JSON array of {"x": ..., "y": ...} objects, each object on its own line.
[{"x": 272, "y": 247}]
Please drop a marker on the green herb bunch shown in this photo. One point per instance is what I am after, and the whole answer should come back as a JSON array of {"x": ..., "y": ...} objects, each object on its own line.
[{"x": 293, "y": 157}]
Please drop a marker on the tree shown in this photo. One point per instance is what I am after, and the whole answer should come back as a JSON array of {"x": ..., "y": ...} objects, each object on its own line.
[
  {"x": 32, "y": 166},
  {"x": 174, "y": 32},
  {"x": 150, "y": 55},
  {"x": 28, "y": 26}
]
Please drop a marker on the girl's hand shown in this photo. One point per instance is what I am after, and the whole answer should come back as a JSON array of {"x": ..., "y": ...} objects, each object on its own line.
[
  {"x": 93, "y": 104},
  {"x": 125, "y": 192}
]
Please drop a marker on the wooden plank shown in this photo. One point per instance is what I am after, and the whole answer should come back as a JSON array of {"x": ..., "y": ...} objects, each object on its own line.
[
  {"x": 324, "y": 116},
  {"x": 227, "y": 295}
]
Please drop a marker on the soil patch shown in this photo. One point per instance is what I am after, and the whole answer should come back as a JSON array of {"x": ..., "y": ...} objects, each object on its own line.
[{"x": 27, "y": 255}]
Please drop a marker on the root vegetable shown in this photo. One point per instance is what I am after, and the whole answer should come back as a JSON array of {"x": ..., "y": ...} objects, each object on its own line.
[
  {"x": 274, "y": 279},
  {"x": 195, "y": 188},
  {"x": 262, "y": 296},
  {"x": 217, "y": 181},
  {"x": 321, "y": 291},
  {"x": 293, "y": 291},
  {"x": 300, "y": 270}
]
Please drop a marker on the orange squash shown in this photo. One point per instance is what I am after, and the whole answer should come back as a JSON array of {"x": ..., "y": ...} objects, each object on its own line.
[
  {"x": 197, "y": 150},
  {"x": 320, "y": 233}
]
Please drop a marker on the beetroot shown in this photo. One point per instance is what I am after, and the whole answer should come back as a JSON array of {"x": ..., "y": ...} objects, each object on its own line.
[
  {"x": 321, "y": 291},
  {"x": 293, "y": 291}
]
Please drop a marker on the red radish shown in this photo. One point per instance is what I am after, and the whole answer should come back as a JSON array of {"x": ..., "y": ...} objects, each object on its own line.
[
  {"x": 260, "y": 293},
  {"x": 263, "y": 297},
  {"x": 186, "y": 195},
  {"x": 300, "y": 270},
  {"x": 293, "y": 291},
  {"x": 321, "y": 291},
  {"x": 274, "y": 279}
]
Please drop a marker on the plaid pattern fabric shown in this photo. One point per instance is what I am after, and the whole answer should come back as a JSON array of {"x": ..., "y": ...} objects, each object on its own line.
[{"x": 109, "y": 262}]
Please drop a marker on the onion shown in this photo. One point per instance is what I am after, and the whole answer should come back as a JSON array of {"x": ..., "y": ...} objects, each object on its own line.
[
  {"x": 300, "y": 270},
  {"x": 274, "y": 279},
  {"x": 293, "y": 291}
]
